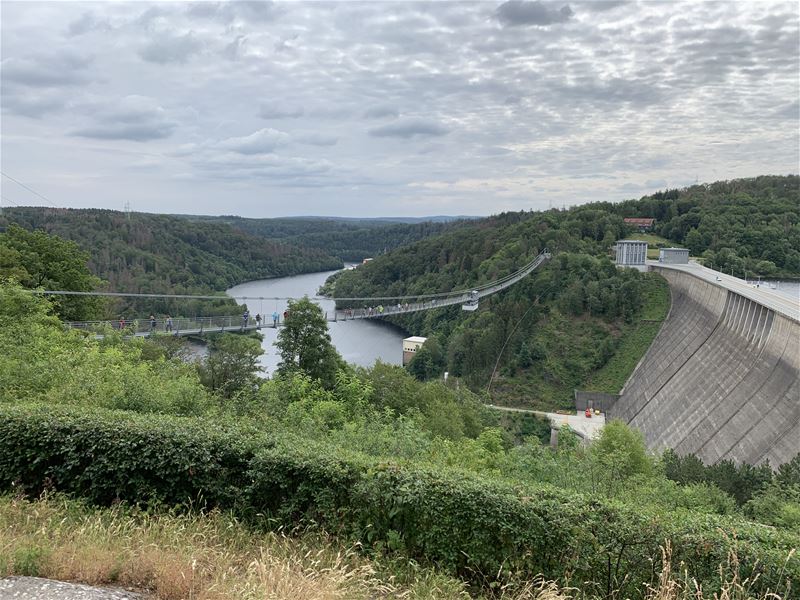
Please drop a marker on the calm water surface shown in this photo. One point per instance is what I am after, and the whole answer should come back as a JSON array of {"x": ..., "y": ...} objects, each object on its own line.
[{"x": 359, "y": 342}]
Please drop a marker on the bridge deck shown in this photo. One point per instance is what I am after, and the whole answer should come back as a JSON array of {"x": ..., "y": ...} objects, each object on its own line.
[{"x": 203, "y": 325}]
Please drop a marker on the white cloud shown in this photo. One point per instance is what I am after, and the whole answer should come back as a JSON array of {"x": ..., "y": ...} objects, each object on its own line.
[{"x": 263, "y": 141}]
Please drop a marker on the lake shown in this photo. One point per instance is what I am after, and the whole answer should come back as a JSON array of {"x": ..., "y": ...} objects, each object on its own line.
[{"x": 360, "y": 342}]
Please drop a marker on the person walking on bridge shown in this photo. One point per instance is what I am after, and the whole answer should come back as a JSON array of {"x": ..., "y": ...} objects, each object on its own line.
[
  {"x": 275, "y": 317},
  {"x": 258, "y": 321},
  {"x": 152, "y": 324},
  {"x": 245, "y": 318},
  {"x": 168, "y": 324}
]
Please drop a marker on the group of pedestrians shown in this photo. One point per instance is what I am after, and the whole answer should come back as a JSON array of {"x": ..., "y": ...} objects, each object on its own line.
[
  {"x": 275, "y": 319},
  {"x": 154, "y": 323}
]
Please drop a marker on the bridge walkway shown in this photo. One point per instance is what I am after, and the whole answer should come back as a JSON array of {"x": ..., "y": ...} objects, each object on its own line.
[{"x": 203, "y": 325}]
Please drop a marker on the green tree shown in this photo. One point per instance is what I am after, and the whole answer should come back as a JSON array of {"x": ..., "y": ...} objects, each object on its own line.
[
  {"x": 305, "y": 344},
  {"x": 232, "y": 365},
  {"x": 694, "y": 241},
  {"x": 37, "y": 260},
  {"x": 429, "y": 361},
  {"x": 617, "y": 455}
]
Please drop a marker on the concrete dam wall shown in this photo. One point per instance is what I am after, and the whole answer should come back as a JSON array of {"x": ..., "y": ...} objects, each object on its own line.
[{"x": 720, "y": 379}]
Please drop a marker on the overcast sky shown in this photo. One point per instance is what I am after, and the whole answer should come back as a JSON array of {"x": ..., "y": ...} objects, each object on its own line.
[{"x": 391, "y": 108}]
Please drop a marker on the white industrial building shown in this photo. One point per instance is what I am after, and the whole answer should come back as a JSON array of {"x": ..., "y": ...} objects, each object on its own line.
[
  {"x": 410, "y": 347},
  {"x": 631, "y": 253},
  {"x": 673, "y": 256}
]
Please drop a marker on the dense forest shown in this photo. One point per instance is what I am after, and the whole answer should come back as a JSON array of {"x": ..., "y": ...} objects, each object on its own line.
[
  {"x": 143, "y": 253},
  {"x": 741, "y": 225},
  {"x": 577, "y": 322},
  {"x": 347, "y": 239}
]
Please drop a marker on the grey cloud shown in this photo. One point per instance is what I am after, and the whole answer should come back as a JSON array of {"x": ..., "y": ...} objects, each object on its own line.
[
  {"x": 31, "y": 102},
  {"x": 614, "y": 92},
  {"x": 317, "y": 139},
  {"x": 142, "y": 132},
  {"x": 656, "y": 184},
  {"x": 236, "y": 48},
  {"x": 85, "y": 23},
  {"x": 170, "y": 48},
  {"x": 147, "y": 18},
  {"x": 263, "y": 141},
  {"x": 46, "y": 70},
  {"x": 380, "y": 111},
  {"x": 135, "y": 118},
  {"x": 271, "y": 110},
  {"x": 601, "y": 5},
  {"x": 409, "y": 128},
  {"x": 790, "y": 110},
  {"x": 285, "y": 43},
  {"x": 296, "y": 170},
  {"x": 523, "y": 12},
  {"x": 260, "y": 11}
]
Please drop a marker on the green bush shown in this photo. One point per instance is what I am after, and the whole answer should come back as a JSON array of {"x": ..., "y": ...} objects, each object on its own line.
[
  {"x": 105, "y": 456},
  {"x": 482, "y": 530}
]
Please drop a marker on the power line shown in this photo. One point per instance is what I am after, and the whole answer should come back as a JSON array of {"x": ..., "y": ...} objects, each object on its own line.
[
  {"x": 19, "y": 183},
  {"x": 8, "y": 200}
]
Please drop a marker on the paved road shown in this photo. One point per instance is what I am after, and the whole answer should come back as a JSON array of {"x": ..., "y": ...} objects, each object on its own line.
[
  {"x": 778, "y": 302},
  {"x": 587, "y": 428}
]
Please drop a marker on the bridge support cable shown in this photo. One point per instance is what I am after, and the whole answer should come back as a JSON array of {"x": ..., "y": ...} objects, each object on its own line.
[{"x": 197, "y": 325}]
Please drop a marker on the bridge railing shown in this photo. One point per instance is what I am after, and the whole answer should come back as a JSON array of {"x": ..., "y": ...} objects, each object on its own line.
[
  {"x": 178, "y": 326},
  {"x": 188, "y": 325}
]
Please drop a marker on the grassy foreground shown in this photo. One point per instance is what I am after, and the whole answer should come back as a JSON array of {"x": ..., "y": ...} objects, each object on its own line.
[
  {"x": 202, "y": 557},
  {"x": 214, "y": 557}
]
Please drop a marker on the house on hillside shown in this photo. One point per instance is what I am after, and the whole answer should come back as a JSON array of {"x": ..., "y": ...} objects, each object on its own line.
[{"x": 642, "y": 224}]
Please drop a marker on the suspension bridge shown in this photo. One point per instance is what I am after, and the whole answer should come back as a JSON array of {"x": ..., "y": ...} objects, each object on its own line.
[{"x": 373, "y": 308}]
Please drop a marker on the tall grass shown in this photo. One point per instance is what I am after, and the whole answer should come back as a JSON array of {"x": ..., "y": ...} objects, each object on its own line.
[
  {"x": 196, "y": 557},
  {"x": 213, "y": 557}
]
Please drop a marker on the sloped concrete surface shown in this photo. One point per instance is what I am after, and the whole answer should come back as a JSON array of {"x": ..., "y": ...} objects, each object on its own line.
[
  {"x": 721, "y": 378},
  {"x": 36, "y": 588}
]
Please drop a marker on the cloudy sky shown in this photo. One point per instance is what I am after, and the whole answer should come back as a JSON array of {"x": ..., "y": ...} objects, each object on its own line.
[{"x": 390, "y": 108}]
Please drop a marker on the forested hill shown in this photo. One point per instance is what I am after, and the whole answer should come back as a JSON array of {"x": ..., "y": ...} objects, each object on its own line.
[
  {"x": 347, "y": 239},
  {"x": 147, "y": 253},
  {"x": 578, "y": 322},
  {"x": 751, "y": 224}
]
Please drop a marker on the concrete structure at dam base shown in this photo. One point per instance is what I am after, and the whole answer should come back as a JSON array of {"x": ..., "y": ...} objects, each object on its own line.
[{"x": 721, "y": 380}]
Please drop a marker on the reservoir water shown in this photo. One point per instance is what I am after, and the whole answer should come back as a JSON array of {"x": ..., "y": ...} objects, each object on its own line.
[{"x": 359, "y": 342}]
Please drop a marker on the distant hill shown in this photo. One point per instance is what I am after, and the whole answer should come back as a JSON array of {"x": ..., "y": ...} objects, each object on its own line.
[
  {"x": 349, "y": 239},
  {"x": 146, "y": 253}
]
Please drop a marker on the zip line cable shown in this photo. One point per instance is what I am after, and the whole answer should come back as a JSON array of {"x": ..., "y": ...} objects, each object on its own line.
[{"x": 32, "y": 191}]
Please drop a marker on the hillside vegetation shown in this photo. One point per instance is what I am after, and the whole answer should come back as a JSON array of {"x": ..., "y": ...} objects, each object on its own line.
[
  {"x": 346, "y": 239},
  {"x": 576, "y": 322},
  {"x": 548, "y": 334},
  {"x": 147, "y": 253},
  {"x": 743, "y": 224}
]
